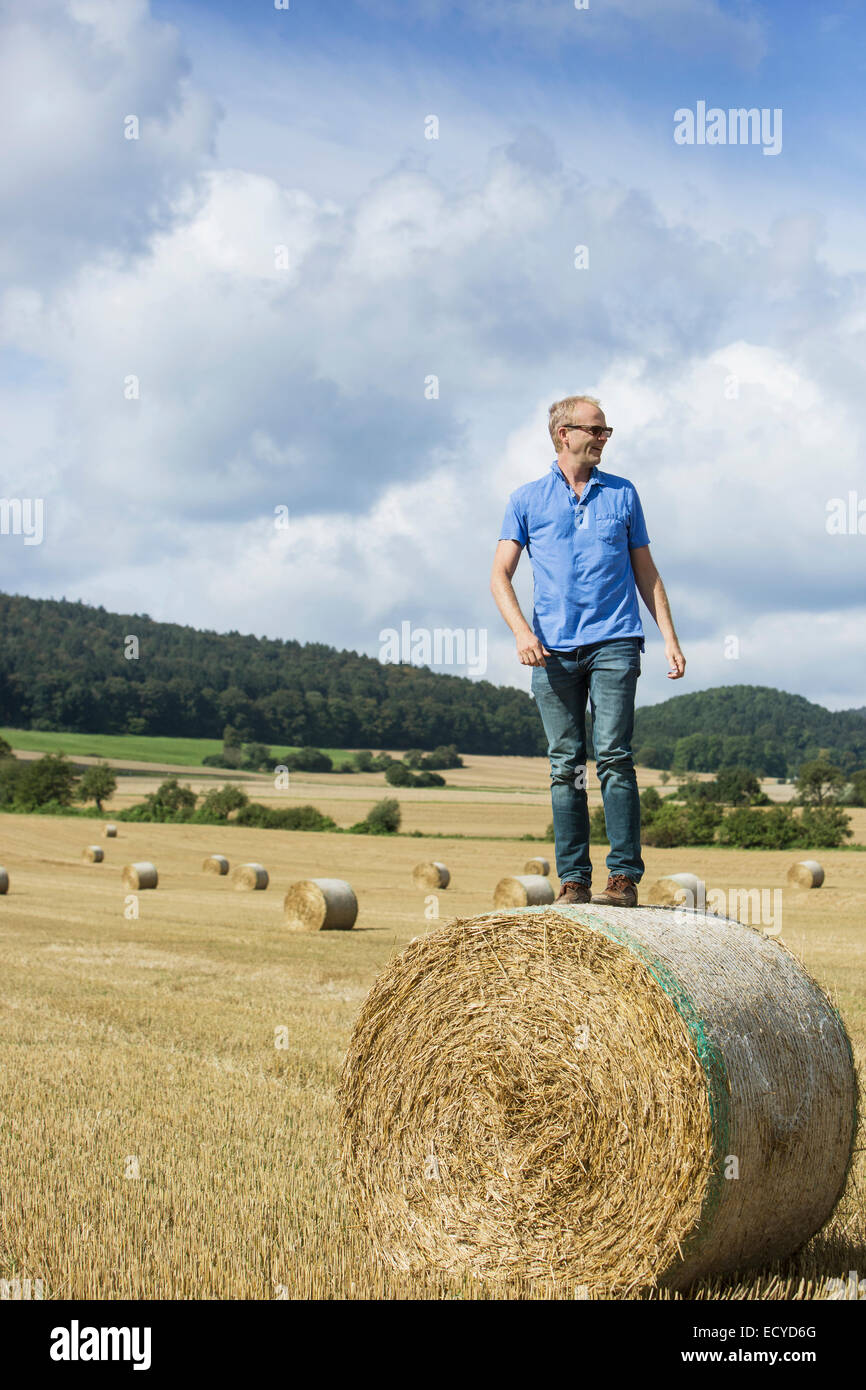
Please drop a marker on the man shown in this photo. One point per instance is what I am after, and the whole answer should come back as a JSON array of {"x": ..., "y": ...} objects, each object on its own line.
[{"x": 586, "y": 538}]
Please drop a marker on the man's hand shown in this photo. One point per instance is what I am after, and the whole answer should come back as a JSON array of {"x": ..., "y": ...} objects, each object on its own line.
[
  {"x": 676, "y": 661},
  {"x": 530, "y": 650}
]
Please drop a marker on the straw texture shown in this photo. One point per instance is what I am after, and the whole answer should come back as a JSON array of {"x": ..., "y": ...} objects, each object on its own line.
[
  {"x": 215, "y": 864},
  {"x": 523, "y": 890},
  {"x": 537, "y": 866},
  {"x": 807, "y": 874},
  {"x": 320, "y": 904},
  {"x": 250, "y": 877},
  {"x": 431, "y": 875},
  {"x": 140, "y": 875},
  {"x": 558, "y": 1093},
  {"x": 678, "y": 890},
  {"x": 93, "y": 854}
]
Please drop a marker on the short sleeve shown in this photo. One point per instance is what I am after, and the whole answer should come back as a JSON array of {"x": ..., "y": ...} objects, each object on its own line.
[
  {"x": 514, "y": 523},
  {"x": 637, "y": 532}
]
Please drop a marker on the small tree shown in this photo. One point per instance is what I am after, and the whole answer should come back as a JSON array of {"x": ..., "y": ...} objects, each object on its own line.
[
  {"x": 45, "y": 780},
  {"x": 217, "y": 804},
  {"x": 819, "y": 782},
  {"x": 381, "y": 819},
  {"x": 737, "y": 786},
  {"x": 398, "y": 775},
  {"x": 97, "y": 784},
  {"x": 413, "y": 757},
  {"x": 5, "y": 748},
  {"x": 171, "y": 801},
  {"x": 257, "y": 757}
]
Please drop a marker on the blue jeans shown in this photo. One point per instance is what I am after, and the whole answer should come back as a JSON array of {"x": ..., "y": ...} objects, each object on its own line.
[{"x": 606, "y": 672}]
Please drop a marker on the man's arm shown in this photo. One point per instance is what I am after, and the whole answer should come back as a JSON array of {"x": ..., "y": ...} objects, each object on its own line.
[
  {"x": 529, "y": 649},
  {"x": 652, "y": 591}
]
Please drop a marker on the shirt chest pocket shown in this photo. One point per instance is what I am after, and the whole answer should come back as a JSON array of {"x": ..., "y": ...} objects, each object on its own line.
[{"x": 612, "y": 530}]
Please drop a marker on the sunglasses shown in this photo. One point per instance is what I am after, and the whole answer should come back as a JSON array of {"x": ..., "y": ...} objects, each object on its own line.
[{"x": 597, "y": 431}]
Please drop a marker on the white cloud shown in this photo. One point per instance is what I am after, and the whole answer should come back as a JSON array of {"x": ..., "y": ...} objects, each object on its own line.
[{"x": 304, "y": 385}]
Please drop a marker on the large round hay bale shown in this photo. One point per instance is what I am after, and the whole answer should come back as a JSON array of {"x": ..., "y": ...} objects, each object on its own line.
[
  {"x": 4, "y": 881},
  {"x": 109, "y": 832},
  {"x": 250, "y": 877},
  {"x": 93, "y": 854},
  {"x": 140, "y": 875},
  {"x": 807, "y": 874},
  {"x": 537, "y": 866},
  {"x": 615, "y": 1096},
  {"x": 431, "y": 875},
  {"x": 678, "y": 890},
  {"x": 215, "y": 864},
  {"x": 320, "y": 904},
  {"x": 523, "y": 890}
]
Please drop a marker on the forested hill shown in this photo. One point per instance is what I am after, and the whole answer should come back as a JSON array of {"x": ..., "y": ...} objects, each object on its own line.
[
  {"x": 63, "y": 666},
  {"x": 753, "y": 726}
]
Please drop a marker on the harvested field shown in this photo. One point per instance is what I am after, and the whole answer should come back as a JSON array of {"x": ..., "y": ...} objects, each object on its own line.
[{"x": 200, "y": 1046}]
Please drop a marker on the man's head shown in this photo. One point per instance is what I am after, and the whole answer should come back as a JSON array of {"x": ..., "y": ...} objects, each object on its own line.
[{"x": 564, "y": 419}]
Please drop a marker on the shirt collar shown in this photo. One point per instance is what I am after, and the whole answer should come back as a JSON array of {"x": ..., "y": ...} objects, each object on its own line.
[{"x": 596, "y": 476}]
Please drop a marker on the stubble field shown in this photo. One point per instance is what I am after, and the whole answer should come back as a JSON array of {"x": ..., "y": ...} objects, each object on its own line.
[{"x": 168, "y": 1083}]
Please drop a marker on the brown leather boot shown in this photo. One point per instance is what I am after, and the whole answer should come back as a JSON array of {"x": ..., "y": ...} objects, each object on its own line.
[
  {"x": 571, "y": 893},
  {"x": 620, "y": 892}
]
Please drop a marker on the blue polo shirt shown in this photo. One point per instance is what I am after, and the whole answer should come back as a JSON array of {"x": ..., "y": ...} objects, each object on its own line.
[{"x": 579, "y": 548}]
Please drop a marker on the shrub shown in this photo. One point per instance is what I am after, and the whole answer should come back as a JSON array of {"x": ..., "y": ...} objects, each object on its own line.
[
  {"x": 257, "y": 758},
  {"x": 170, "y": 802},
  {"x": 307, "y": 760},
  {"x": 399, "y": 775},
  {"x": 650, "y": 802},
  {"x": 48, "y": 779},
  {"x": 445, "y": 755},
  {"x": 384, "y": 818},
  {"x": 597, "y": 827},
  {"x": 217, "y": 804},
  {"x": 231, "y": 757},
  {"x": 413, "y": 757},
  {"x": 824, "y": 827},
  {"x": 10, "y": 774},
  {"x": 429, "y": 779},
  {"x": 287, "y": 818},
  {"x": 363, "y": 760},
  {"x": 746, "y": 828}
]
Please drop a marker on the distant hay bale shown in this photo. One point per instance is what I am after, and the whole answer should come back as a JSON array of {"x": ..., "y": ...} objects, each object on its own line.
[
  {"x": 215, "y": 864},
  {"x": 4, "y": 881},
  {"x": 807, "y": 874},
  {"x": 537, "y": 866},
  {"x": 140, "y": 875},
  {"x": 109, "y": 832},
  {"x": 569, "y": 1093},
  {"x": 250, "y": 877},
  {"x": 431, "y": 874},
  {"x": 678, "y": 890},
  {"x": 320, "y": 904},
  {"x": 523, "y": 890},
  {"x": 93, "y": 854}
]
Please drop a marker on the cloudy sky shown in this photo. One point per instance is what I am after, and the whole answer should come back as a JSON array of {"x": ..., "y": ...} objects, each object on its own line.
[{"x": 240, "y": 310}]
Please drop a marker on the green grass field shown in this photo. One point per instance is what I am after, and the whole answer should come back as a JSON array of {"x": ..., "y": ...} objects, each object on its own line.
[{"x": 183, "y": 752}]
